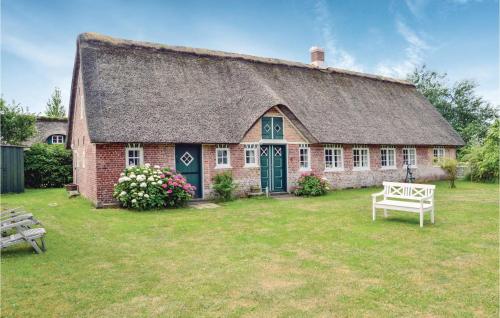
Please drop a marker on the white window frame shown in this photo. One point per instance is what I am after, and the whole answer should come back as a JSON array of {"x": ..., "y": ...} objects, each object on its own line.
[
  {"x": 134, "y": 147},
  {"x": 361, "y": 168},
  {"x": 54, "y": 139},
  {"x": 255, "y": 149},
  {"x": 218, "y": 165},
  {"x": 441, "y": 154},
  {"x": 388, "y": 149},
  {"x": 308, "y": 162},
  {"x": 334, "y": 149},
  {"x": 409, "y": 148}
]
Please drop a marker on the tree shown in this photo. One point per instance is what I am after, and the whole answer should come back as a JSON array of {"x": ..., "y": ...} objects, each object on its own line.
[
  {"x": 470, "y": 115},
  {"x": 484, "y": 160},
  {"x": 55, "y": 107},
  {"x": 16, "y": 125}
]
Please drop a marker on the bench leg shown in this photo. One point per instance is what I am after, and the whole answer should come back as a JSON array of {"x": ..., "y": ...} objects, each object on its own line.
[
  {"x": 421, "y": 218},
  {"x": 374, "y": 213},
  {"x": 35, "y": 247},
  {"x": 385, "y": 213},
  {"x": 432, "y": 215}
]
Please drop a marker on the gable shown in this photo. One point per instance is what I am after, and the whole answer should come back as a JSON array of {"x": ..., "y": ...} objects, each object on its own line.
[{"x": 290, "y": 132}]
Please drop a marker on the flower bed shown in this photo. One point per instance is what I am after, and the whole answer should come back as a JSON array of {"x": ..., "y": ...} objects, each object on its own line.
[{"x": 146, "y": 187}]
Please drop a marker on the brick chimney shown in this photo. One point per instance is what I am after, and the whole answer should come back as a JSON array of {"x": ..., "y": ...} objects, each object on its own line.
[{"x": 317, "y": 56}]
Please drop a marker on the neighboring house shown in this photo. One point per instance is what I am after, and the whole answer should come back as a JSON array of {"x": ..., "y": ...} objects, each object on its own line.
[
  {"x": 49, "y": 130},
  {"x": 266, "y": 120}
]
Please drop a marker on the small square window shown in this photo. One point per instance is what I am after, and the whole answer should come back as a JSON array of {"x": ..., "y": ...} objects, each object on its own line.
[
  {"x": 387, "y": 157},
  {"x": 222, "y": 155},
  {"x": 251, "y": 152},
  {"x": 410, "y": 156},
  {"x": 438, "y": 155},
  {"x": 361, "y": 160},
  {"x": 304, "y": 157},
  {"x": 134, "y": 155},
  {"x": 333, "y": 158}
]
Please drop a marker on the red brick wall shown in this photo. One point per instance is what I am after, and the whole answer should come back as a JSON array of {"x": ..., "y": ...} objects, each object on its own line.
[{"x": 84, "y": 173}]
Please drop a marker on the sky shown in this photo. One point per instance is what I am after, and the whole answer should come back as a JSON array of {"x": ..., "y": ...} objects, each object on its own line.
[{"x": 385, "y": 37}]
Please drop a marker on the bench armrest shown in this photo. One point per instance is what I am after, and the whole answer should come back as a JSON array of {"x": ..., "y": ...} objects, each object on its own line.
[
  {"x": 377, "y": 194},
  {"x": 429, "y": 198}
]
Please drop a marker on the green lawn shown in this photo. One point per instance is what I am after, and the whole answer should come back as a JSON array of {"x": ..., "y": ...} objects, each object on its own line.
[{"x": 258, "y": 257}]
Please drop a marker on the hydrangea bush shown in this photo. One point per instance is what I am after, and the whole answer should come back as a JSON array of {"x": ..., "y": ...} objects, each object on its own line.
[
  {"x": 146, "y": 187},
  {"x": 311, "y": 185}
]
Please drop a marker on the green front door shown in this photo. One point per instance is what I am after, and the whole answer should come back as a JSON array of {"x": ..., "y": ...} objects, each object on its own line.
[
  {"x": 273, "y": 167},
  {"x": 188, "y": 163}
]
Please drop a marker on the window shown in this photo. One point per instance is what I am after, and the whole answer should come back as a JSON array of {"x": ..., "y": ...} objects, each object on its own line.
[
  {"x": 410, "y": 156},
  {"x": 251, "y": 155},
  {"x": 361, "y": 160},
  {"x": 387, "y": 157},
  {"x": 304, "y": 157},
  {"x": 57, "y": 139},
  {"x": 438, "y": 154},
  {"x": 222, "y": 157},
  {"x": 134, "y": 155},
  {"x": 334, "y": 158},
  {"x": 272, "y": 127}
]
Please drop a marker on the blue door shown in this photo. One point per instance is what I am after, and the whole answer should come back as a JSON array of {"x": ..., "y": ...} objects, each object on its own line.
[
  {"x": 188, "y": 163},
  {"x": 273, "y": 168}
]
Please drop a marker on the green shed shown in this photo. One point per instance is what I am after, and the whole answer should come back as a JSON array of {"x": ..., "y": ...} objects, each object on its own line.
[{"x": 12, "y": 164}]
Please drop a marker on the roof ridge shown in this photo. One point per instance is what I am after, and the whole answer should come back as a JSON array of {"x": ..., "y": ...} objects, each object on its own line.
[{"x": 97, "y": 37}]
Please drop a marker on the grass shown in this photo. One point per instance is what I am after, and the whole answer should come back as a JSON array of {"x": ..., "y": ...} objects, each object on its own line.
[{"x": 258, "y": 257}]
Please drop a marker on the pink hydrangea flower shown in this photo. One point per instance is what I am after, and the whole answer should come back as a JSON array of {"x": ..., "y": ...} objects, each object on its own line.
[
  {"x": 169, "y": 191},
  {"x": 164, "y": 185}
]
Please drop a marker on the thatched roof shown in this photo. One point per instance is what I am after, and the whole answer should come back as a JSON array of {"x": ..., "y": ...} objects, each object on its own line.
[
  {"x": 144, "y": 92},
  {"x": 47, "y": 126}
]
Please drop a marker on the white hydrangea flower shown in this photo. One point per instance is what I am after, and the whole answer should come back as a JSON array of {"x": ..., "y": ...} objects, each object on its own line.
[
  {"x": 151, "y": 178},
  {"x": 122, "y": 174},
  {"x": 156, "y": 167},
  {"x": 133, "y": 184},
  {"x": 160, "y": 182},
  {"x": 141, "y": 194},
  {"x": 123, "y": 193},
  {"x": 147, "y": 165},
  {"x": 143, "y": 185},
  {"x": 146, "y": 195},
  {"x": 134, "y": 200},
  {"x": 141, "y": 177},
  {"x": 132, "y": 176}
]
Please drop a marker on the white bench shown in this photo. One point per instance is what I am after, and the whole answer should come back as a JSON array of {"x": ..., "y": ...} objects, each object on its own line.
[{"x": 413, "y": 197}]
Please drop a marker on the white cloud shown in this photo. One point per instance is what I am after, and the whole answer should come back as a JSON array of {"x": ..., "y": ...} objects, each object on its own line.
[
  {"x": 334, "y": 55},
  {"x": 414, "y": 53}
]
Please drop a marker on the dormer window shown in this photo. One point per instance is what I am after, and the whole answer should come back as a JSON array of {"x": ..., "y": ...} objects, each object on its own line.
[{"x": 56, "y": 139}]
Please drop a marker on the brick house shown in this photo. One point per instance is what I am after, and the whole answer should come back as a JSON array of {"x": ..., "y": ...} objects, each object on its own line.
[{"x": 265, "y": 120}]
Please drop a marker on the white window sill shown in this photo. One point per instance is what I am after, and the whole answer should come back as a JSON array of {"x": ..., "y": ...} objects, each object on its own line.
[
  {"x": 305, "y": 169},
  {"x": 223, "y": 167},
  {"x": 334, "y": 170},
  {"x": 388, "y": 168},
  {"x": 251, "y": 166},
  {"x": 411, "y": 167},
  {"x": 361, "y": 169}
]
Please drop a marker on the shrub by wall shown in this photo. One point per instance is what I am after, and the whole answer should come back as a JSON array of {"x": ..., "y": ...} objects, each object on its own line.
[
  {"x": 311, "y": 185},
  {"x": 47, "y": 166},
  {"x": 146, "y": 187}
]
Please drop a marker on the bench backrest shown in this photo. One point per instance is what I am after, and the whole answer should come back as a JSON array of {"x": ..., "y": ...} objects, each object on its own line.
[{"x": 410, "y": 191}]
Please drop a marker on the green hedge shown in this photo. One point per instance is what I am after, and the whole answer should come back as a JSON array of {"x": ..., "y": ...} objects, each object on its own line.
[{"x": 47, "y": 166}]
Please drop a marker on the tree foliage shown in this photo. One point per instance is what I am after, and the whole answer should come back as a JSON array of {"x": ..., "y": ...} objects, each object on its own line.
[
  {"x": 47, "y": 166},
  {"x": 469, "y": 114},
  {"x": 17, "y": 126},
  {"x": 484, "y": 160},
  {"x": 55, "y": 107}
]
